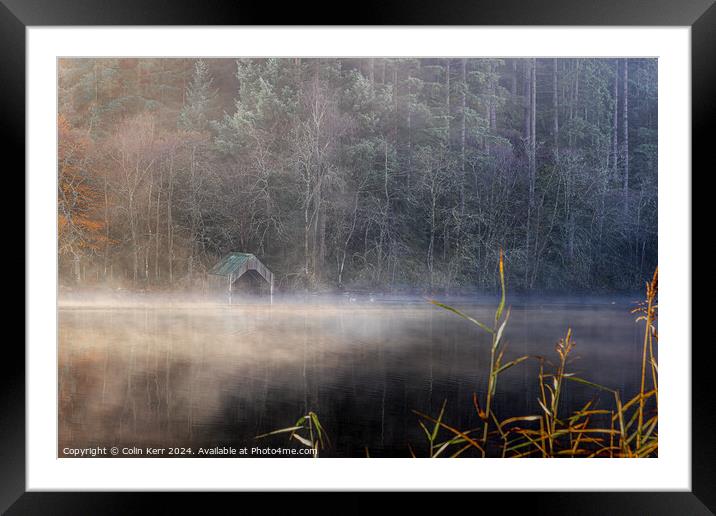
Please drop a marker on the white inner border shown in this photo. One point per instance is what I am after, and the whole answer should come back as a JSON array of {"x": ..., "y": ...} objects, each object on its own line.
[{"x": 671, "y": 470}]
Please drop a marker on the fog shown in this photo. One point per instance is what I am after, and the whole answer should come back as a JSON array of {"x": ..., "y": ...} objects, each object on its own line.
[
  {"x": 375, "y": 179},
  {"x": 169, "y": 370}
]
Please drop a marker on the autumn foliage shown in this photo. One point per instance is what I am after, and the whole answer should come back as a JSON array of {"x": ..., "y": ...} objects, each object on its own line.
[{"x": 80, "y": 228}]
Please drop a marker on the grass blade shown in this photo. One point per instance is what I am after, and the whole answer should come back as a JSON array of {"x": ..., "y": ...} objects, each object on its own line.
[{"x": 463, "y": 315}]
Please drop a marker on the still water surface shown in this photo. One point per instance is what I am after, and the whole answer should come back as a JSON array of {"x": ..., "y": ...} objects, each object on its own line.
[{"x": 215, "y": 375}]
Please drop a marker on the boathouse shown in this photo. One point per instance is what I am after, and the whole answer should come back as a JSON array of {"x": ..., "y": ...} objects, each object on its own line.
[{"x": 236, "y": 268}]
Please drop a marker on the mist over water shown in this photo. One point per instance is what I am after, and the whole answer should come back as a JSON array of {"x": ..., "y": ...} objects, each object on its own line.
[{"x": 161, "y": 371}]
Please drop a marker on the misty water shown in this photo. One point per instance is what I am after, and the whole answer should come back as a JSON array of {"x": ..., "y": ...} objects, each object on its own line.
[{"x": 206, "y": 374}]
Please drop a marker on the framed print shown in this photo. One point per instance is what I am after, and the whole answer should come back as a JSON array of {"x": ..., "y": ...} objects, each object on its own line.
[{"x": 310, "y": 258}]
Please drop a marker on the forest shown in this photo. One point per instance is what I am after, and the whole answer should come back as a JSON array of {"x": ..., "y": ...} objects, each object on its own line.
[{"x": 388, "y": 174}]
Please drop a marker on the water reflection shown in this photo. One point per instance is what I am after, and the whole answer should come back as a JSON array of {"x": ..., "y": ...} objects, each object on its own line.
[{"x": 211, "y": 375}]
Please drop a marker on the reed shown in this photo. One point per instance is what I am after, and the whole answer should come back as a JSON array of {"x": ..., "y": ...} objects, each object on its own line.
[
  {"x": 618, "y": 430},
  {"x": 314, "y": 435},
  {"x": 497, "y": 351}
]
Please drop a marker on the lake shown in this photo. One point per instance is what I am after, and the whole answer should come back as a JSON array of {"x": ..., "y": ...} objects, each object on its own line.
[{"x": 208, "y": 374}]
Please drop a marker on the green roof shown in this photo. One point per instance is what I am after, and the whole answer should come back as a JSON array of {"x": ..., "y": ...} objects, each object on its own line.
[{"x": 230, "y": 263}]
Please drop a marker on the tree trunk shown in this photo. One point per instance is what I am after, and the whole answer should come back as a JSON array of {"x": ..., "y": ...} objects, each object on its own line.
[
  {"x": 170, "y": 232},
  {"x": 489, "y": 108},
  {"x": 527, "y": 108},
  {"x": 555, "y": 110},
  {"x": 149, "y": 228},
  {"x": 531, "y": 146},
  {"x": 135, "y": 245},
  {"x": 106, "y": 226},
  {"x": 533, "y": 152},
  {"x": 316, "y": 223},
  {"x": 463, "y": 106},
  {"x": 447, "y": 101},
  {"x": 528, "y": 153},
  {"x": 533, "y": 130},
  {"x": 156, "y": 231},
  {"x": 431, "y": 246},
  {"x": 344, "y": 254},
  {"x": 493, "y": 98},
  {"x": 321, "y": 240},
  {"x": 409, "y": 136},
  {"x": 625, "y": 133},
  {"x": 192, "y": 216},
  {"x": 77, "y": 269},
  {"x": 306, "y": 223},
  {"x": 384, "y": 230},
  {"x": 306, "y": 230},
  {"x": 615, "y": 123}
]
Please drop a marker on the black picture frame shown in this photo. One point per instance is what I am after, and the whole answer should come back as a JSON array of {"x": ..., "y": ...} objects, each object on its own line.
[{"x": 17, "y": 15}]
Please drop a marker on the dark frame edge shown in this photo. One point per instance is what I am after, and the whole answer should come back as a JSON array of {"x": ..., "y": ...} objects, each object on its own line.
[
  {"x": 372, "y": 12},
  {"x": 702, "y": 498},
  {"x": 703, "y": 112},
  {"x": 12, "y": 396}
]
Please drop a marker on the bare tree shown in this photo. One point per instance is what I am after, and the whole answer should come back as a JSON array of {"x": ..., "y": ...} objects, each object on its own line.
[{"x": 133, "y": 151}]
